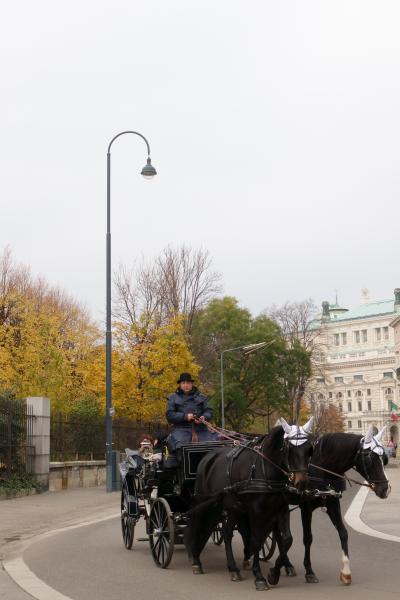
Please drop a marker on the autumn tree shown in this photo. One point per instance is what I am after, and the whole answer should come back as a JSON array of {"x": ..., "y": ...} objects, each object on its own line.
[
  {"x": 328, "y": 419},
  {"x": 46, "y": 338},
  {"x": 256, "y": 384},
  {"x": 301, "y": 329},
  {"x": 178, "y": 282}
]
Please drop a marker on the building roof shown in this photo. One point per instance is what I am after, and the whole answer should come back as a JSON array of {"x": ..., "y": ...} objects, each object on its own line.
[{"x": 370, "y": 309}]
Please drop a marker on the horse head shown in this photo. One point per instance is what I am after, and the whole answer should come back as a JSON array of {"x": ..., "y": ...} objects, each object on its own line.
[
  {"x": 299, "y": 446},
  {"x": 370, "y": 461}
]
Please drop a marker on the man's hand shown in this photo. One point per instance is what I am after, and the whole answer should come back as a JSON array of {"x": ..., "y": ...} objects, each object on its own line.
[
  {"x": 190, "y": 417},
  {"x": 199, "y": 420}
]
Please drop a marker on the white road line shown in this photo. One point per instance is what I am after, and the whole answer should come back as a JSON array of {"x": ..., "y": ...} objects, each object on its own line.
[
  {"x": 27, "y": 580},
  {"x": 352, "y": 517}
]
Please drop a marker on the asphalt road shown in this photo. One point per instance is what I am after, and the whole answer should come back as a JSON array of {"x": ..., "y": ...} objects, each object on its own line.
[{"x": 91, "y": 563}]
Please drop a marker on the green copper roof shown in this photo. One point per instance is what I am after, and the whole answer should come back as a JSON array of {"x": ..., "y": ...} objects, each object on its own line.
[{"x": 371, "y": 309}]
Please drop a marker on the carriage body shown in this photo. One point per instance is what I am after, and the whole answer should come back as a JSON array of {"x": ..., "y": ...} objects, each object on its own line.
[{"x": 161, "y": 492}]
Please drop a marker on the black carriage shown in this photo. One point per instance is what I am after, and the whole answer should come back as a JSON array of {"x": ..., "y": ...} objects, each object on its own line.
[{"x": 161, "y": 492}]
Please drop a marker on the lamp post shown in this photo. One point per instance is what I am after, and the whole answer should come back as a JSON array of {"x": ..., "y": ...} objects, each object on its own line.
[
  {"x": 248, "y": 349},
  {"x": 148, "y": 172}
]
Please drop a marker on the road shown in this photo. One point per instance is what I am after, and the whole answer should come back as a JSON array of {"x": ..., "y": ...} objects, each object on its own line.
[{"x": 91, "y": 563}]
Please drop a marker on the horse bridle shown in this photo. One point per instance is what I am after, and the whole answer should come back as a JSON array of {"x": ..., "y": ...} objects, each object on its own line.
[
  {"x": 366, "y": 453},
  {"x": 287, "y": 441}
]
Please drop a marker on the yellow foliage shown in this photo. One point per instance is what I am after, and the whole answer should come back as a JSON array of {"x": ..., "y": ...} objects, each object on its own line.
[{"x": 147, "y": 362}]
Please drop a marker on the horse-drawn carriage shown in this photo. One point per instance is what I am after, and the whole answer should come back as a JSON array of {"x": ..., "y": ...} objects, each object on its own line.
[{"x": 162, "y": 492}]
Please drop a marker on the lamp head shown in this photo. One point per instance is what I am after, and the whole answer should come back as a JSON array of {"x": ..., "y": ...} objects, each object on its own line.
[{"x": 148, "y": 170}]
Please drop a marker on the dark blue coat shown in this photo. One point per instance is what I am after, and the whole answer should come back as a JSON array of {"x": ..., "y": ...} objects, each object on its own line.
[{"x": 178, "y": 406}]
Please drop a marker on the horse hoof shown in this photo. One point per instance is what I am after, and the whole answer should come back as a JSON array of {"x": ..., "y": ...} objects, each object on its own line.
[
  {"x": 311, "y": 578},
  {"x": 236, "y": 576},
  {"x": 197, "y": 570},
  {"x": 261, "y": 586},
  {"x": 273, "y": 579},
  {"x": 291, "y": 572},
  {"x": 246, "y": 565},
  {"x": 345, "y": 578}
]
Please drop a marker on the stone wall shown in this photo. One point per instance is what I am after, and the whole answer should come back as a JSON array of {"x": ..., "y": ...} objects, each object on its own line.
[{"x": 76, "y": 474}]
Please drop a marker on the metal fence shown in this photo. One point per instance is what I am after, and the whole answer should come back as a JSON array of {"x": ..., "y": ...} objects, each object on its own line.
[
  {"x": 16, "y": 428},
  {"x": 74, "y": 437}
]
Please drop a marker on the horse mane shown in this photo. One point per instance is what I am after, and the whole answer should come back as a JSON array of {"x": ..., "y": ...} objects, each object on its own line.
[{"x": 272, "y": 440}]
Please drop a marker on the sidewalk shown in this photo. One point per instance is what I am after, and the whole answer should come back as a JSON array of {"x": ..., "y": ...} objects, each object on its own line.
[
  {"x": 383, "y": 515},
  {"x": 23, "y": 518}
]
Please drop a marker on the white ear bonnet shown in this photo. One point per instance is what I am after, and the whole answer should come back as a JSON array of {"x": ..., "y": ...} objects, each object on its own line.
[{"x": 297, "y": 434}]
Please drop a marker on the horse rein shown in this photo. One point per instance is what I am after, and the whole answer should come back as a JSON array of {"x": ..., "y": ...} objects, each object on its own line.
[{"x": 254, "y": 449}]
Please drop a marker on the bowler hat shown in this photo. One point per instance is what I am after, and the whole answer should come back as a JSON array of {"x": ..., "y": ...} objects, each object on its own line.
[{"x": 185, "y": 377}]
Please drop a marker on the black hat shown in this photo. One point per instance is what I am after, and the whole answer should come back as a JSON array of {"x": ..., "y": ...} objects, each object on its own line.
[{"x": 185, "y": 377}]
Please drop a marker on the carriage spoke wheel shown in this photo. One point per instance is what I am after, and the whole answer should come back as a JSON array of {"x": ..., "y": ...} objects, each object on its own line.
[
  {"x": 161, "y": 533},
  {"x": 127, "y": 522},
  {"x": 268, "y": 548},
  {"x": 217, "y": 535}
]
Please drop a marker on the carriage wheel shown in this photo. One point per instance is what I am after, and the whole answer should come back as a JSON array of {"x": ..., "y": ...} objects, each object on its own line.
[
  {"x": 127, "y": 522},
  {"x": 268, "y": 548},
  {"x": 217, "y": 535},
  {"x": 161, "y": 533}
]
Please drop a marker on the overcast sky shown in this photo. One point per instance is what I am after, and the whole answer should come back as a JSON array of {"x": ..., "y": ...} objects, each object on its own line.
[{"x": 274, "y": 127}]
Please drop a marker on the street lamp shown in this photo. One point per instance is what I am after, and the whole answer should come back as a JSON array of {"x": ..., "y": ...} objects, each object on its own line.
[
  {"x": 248, "y": 349},
  {"x": 148, "y": 172}
]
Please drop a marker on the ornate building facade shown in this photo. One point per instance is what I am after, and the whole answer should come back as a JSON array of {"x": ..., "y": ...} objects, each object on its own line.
[{"x": 361, "y": 355}]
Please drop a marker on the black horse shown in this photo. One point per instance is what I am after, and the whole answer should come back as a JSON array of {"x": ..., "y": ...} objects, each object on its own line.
[
  {"x": 336, "y": 452},
  {"x": 247, "y": 482}
]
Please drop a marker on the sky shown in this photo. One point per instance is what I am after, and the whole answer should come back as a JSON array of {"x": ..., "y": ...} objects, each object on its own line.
[{"x": 274, "y": 127}]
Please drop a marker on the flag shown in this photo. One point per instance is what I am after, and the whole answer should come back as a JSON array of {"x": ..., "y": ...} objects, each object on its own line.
[
  {"x": 394, "y": 406},
  {"x": 394, "y": 417}
]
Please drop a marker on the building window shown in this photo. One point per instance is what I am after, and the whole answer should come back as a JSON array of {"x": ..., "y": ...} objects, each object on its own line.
[
  {"x": 349, "y": 393},
  {"x": 338, "y": 379},
  {"x": 389, "y": 391},
  {"x": 340, "y": 407},
  {"x": 368, "y": 392},
  {"x": 385, "y": 333},
  {"x": 369, "y": 405},
  {"x": 388, "y": 374},
  {"x": 358, "y": 378},
  {"x": 360, "y": 406},
  {"x": 330, "y": 394},
  {"x": 339, "y": 395},
  {"x": 359, "y": 424},
  {"x": 349, "y": 406},
  {"x": 320, "y": 379},
  {"x": 344, "y": 339},
  {"x": 321, "y": 397},
  {"x": 364, "y": 335},
  {"x": 349, "y": 424},
  {"x": 378, "y": 336},
  {"x": 337, "y": 339},
  {"x": 358, "y": 393},
  {"x": 357, "y": 337}
]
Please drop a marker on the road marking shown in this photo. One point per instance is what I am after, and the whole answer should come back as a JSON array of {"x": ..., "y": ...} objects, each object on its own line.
[
  {"x": 353, "y": 518},
  {"x": 19, "y": 571}
]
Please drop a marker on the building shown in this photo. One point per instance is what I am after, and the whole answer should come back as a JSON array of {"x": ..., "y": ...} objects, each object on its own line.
[{"x": 359, "y": 362}]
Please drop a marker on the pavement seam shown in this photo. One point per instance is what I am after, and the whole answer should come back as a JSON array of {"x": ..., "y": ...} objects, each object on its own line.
[
  {"x": 21, "y": 574},
  {"x": 353, "y": 518}
]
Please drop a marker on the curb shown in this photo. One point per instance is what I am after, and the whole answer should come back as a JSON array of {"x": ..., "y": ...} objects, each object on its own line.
[
  {"x": 20, "y": 573},
  {"x": 353, "y": 518}
]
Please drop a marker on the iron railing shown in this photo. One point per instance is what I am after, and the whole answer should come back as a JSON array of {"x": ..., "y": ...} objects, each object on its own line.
[{"x": 16, "y": 430}]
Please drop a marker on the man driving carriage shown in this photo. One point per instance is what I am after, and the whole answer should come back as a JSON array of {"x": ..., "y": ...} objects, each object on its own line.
[{"x": 187, "y": 409}]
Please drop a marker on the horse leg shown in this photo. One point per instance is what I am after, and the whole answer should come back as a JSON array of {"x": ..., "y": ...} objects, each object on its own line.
[
  {"x": 284, "y": 540},
  {"x": 335, "y": 515},
  {"x": 306, "y": 519},
  {"x": 196, "y": 537},
  {"x": 257, "y": 539},
  {"x": 228, "y": 527},
  {"x": 244, "y": 530}
]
